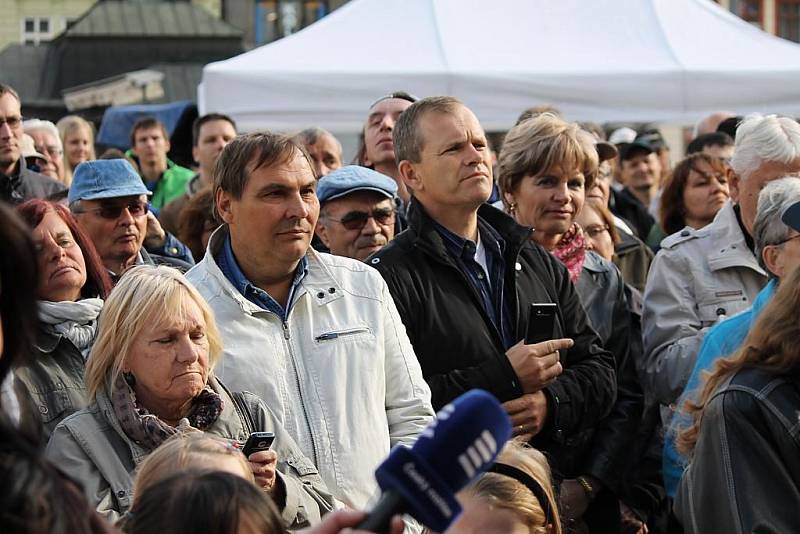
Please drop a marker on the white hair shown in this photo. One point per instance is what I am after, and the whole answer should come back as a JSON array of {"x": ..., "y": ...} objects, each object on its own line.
[
  {"x": 776, "y": 197},
  {"x": 760, "y": 139},
  {"x": 32, "y": 125}
]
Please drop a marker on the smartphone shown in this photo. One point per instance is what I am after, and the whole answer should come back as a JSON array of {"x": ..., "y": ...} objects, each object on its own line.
[
  {"x": 258, "y": 441},
  {"x": 541, "y": 323}
]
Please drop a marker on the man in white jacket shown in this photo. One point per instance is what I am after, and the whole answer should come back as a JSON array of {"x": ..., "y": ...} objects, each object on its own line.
[{"x": 316, "y": 336}]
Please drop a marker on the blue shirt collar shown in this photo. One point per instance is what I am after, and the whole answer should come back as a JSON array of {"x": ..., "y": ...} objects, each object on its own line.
[{"x": 230, "y": 268}]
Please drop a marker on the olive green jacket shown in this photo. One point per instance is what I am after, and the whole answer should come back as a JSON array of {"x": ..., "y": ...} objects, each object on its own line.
[
  {"x": 91, "y": 447},
  {"x": 53, "y": 379}
]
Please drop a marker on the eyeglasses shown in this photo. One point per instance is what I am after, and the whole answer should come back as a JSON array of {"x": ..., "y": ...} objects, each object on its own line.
[
  {"x": 355, "y": 220},
  {"x": 786, "y": 240},
  {"x": 113, "y": 211},
  {"x": 595, "y": 230},
  {"x": 51, "y": 150},
  {"x": 13, "y": 122}
]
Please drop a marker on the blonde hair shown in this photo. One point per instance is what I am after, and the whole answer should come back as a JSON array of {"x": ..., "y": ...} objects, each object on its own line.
[
  {"x": 67, "y": 126},
  {"x": 538, "y": 144},
  {"x": 145, "y": 294},
  {"x": 505, "y": 492},
  {"x": 184, "y": 451},
  {"x": 771, "y": 346}
]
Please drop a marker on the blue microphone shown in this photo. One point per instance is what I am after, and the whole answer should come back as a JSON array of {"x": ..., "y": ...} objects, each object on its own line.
[{"x": 455, "y": 449}]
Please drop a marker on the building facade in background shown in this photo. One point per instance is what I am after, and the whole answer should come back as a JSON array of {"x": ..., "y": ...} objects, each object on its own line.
[
  {"x": 32, "y": 22},
  {"x": 265, "y": 21},
  {"x": 778, "y": 17}
]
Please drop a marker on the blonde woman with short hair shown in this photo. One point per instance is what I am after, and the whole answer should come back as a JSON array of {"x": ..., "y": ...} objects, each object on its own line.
[
  {"x": 150, "y": 375},
  {"x": 515, "y": 496},
  {"x": 192, "y": 450}
]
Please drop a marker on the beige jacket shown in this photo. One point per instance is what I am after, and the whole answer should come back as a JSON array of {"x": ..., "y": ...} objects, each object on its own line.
[{"x": 698, "y": 277}]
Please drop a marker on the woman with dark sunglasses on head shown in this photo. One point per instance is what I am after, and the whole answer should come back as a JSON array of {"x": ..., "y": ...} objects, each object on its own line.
[{"x": 72, "y": 286}]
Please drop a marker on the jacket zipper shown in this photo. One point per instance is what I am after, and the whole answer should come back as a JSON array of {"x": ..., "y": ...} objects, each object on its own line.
[
  {"x": 286, "y": 336},
  {"x": 328, "y": 336}
]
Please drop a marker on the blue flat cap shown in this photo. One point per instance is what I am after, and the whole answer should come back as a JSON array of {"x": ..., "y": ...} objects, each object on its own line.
[
  {"x": 351, "y": 178},
  {"x": 105, "y": 178}
]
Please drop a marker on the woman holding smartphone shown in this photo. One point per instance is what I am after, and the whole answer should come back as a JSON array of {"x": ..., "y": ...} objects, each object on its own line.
[
  {"x": 149, "y": 377},
  {"x": 545, "y": 168}
]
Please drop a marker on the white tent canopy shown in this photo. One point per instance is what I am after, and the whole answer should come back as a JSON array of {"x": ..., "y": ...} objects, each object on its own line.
[{"x": 599, "y": 60}]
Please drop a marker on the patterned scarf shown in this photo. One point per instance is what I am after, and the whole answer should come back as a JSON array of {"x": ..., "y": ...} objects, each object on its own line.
[
  {"x": 571, "y": 250},
  {"x": 148, "y": 430}
]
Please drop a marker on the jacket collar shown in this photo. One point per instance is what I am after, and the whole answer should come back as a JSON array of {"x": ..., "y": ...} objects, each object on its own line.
[
  {"x": 728, "y": 245},
  {"x": 226, "y": 419},
  {"x": 46, "y": 340},
  {"x": 423, "y": 230},
  {"x": 319, "y": 281}
]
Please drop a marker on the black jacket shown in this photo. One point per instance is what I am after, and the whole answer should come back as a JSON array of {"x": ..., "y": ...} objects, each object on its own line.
[
  {"x": 26, "y": 184},
  {"x": 602, "y": 293},
  {"x": 625, "y": 205},
  {"x": 456, "y": 343},
  {"x": 744, "y": 475}
]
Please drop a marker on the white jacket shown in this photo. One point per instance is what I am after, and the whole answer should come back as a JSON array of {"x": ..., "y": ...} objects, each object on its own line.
[{"x": 340, "y": 375}]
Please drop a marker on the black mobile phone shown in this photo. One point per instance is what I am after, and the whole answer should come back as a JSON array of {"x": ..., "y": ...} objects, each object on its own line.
[
  {"x": 258, "y": 441},
  {"x": 541, "y": 323}
]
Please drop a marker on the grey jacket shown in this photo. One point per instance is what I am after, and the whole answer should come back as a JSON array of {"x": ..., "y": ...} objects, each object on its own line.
[
  {"x": 698, "y": 277},
  {"x": 92, "y": 448},
  {"x": 53, "y": 379}
]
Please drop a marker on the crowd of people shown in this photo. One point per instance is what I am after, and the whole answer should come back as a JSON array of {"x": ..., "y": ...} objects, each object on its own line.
[{"x": 154, "y": 317}]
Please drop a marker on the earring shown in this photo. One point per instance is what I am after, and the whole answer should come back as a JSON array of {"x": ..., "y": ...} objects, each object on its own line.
[
  {"x": 512, "y": 207},
  {"x": 129, "y": 378}
]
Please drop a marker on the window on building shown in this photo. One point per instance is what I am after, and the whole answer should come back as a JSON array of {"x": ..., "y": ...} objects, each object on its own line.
[
  {"x": 36, "y": 30},
  {"x": 278, "y": 18},
  {"x": 749, "y": 11}
]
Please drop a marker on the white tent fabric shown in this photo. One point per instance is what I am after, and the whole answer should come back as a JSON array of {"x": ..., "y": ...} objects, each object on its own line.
[{"x": 601, "y": 60}]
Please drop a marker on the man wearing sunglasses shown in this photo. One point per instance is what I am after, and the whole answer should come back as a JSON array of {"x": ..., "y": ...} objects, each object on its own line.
[
  {"x": 17, "y": 182},
  {"x": 109, "y": 201},
  {"x": 357, "y": 211}
]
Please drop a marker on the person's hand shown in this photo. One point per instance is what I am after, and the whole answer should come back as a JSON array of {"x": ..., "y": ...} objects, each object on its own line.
[
  {"x": 155, "y": 235},
  {"x": 537, "y": 365},
  {"x": 528, "y": 414},
  {"x": 574, "y": 499},
  {"x": 263, "y": 465},
  {"x": 340, "y": 521},
  {"x": 630, "y": 523}
]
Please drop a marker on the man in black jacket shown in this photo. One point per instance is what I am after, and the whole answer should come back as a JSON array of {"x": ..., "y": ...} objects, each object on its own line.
[
  {"x": 17, "y": 182},
  {"x": 463, "y": 277}
]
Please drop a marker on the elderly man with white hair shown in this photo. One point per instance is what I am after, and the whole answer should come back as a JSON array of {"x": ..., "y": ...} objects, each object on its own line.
[
  {"x": 48, "y": 143},
  {"x": 702, "y": 276}
]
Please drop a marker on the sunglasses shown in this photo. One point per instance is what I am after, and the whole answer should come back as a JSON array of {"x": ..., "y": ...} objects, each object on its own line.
[
  {"x": 355, "y": 220},
  {"x": 113, "y": 211}
]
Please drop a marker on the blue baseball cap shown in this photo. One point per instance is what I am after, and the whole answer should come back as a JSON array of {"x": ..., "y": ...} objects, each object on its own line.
[
  {"x": 351, "y": 178},
  {"x": 105, "y": 178}
]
